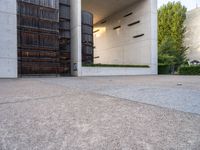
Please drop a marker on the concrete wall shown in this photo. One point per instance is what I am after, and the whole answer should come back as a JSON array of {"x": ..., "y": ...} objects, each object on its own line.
[
  {"x": 119, "y": 46},
  {"x": 8, "y": 39},
  {"x": 115, "y": 71},
  {"x": 192, "y": 36}
]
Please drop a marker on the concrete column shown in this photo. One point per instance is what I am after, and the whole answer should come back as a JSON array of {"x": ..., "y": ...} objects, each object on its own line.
[
  {"x": 8, "y": 39},
  {"x": 154, "y": 37},
  {"x": 76, "y": 60}
]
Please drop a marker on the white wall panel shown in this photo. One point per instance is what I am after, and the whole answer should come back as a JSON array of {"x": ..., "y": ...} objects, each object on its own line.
[
  {"x": 134, "y": 51},
  {"x": 192, "y": 36},
  {"x": 115, "y": 71},
  {"x": 8, "y": 39},
  {"x": 119, "y": 46},
  {"x": 8, "y": 6}
]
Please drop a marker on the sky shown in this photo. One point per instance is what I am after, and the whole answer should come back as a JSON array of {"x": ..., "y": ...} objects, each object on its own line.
[{"x": 190, "y": 4}]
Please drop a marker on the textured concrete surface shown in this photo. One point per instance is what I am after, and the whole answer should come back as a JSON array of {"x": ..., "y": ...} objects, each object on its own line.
[
  {"x": 75, "y": 113},
  {"x": 8, "y": 39},
  {"x": 119, "y": 46},
  {"x": 175, "y": 92},
  {"x": 192, "y": 38}
]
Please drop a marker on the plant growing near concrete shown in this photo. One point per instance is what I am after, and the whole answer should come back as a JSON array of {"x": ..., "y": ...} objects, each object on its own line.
[
  {"x": 171, "y": 19},
  {"x": 115, "y": 65},
  {"x": 189, "y": 70}
]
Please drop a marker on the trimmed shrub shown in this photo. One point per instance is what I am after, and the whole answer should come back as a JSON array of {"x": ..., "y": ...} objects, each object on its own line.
[
  {"x": 189, "y": 70},
  {"x": 164, "y": 69},
  {"x": 115, "y": 65}
]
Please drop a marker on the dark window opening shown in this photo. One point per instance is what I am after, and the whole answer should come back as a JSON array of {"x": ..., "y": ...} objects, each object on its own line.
[
  {"x": 128, "y": 14},
  {"x": 115, "y": 28},
  {"x": 137, "y": 36},
  {"x": 96, "y": 31},
  {"x": 133, "y": 23}
]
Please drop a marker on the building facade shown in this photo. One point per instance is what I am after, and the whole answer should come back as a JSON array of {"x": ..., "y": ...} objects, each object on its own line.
[
  {"x": 192, "y": 38},
  {"x": 78, "y": 37}
]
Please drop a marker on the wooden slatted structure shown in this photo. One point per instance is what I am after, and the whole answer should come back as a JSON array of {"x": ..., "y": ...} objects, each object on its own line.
[
  {"x": 39, "y": 37},
  {"x": 64, "y": 36},
  {"x": 87, "y": 38}
]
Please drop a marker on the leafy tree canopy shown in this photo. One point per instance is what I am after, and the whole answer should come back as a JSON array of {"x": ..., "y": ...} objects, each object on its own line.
[{"x": 171, "y": 28}]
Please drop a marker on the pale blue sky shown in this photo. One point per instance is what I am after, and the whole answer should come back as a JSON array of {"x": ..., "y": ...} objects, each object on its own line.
[{"x": 190, "y": 4}]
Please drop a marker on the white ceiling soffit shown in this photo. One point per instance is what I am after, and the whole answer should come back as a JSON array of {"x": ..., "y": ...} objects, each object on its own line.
[{"x": 104, "y": 8}]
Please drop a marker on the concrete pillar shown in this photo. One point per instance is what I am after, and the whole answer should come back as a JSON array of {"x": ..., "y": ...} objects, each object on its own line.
[
  {"x": 154, "y": 37},
  {"x": 76, "y": 60},
  {"x": 8, "y": 39}
]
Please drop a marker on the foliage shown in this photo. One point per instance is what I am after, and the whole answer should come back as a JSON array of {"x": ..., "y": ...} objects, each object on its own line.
[
  {"x": 164, "y": 69},
  {"x": 189, "y": 70},
  {"x": 171, "y": 19},
  {"x": 167, "y": 52},
  {"x": 116, "y": 65}
]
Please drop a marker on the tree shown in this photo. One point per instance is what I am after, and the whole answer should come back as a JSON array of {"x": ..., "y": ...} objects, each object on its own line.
[
  {"x": 171, "y": 32},
  {"x": 166, "y": 52}
]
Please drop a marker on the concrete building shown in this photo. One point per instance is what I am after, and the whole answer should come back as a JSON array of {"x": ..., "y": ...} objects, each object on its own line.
[
  {"x": 192, "y": 38},
  {"x": 125, "y": 33}
]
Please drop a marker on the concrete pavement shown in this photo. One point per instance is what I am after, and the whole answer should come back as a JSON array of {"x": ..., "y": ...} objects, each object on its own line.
[{"x": 77, "y": 113}]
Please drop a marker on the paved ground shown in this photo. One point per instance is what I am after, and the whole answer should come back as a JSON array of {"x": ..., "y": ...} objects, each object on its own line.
[
  {"x": 100, "y": 113},
  {"x": 176, "y": 92}
]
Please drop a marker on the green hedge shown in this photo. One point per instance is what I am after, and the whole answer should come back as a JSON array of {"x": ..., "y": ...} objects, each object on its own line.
[
  {"x": 189, "y": 70},
  {"x": 164, "y": 69},
  {"x": 113, "y": 65}
]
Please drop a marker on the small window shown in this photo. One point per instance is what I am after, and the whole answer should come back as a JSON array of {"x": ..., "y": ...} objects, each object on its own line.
[
  {"x": 128, "y": 14},
  {"x": 96, "y": 57},
  {"x": 134, "y": 23},
  {"x": 115, "y": 28},
  {"x": 137, "y": 36},
  {"x": 96, "y": 31}
]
